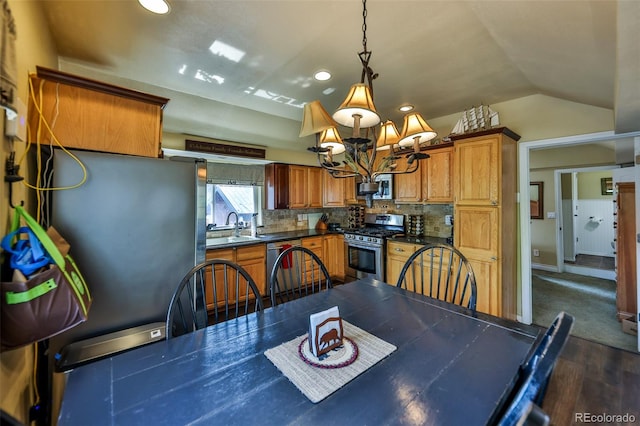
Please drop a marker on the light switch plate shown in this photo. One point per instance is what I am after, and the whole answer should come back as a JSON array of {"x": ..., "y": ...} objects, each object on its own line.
[{"x": 551, "y": 215}]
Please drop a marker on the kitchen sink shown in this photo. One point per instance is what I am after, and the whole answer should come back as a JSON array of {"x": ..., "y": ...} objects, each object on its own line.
[{"x": 231, "y": 239}]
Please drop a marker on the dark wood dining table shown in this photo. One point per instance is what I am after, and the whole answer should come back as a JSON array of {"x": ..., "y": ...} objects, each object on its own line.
[{"x": 450, "y": 368}]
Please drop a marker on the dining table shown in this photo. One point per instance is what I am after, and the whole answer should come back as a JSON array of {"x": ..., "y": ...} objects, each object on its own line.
[{"x": 444, "y": 365}]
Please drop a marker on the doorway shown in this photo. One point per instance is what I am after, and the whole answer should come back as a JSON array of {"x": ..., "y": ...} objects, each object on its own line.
[
  {"x": 526, "y": 296},
  {"x": 585, "y": 225}
]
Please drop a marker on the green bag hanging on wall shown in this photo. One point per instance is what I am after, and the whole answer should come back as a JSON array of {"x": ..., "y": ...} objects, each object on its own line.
[{"x": 48, "y": 302}]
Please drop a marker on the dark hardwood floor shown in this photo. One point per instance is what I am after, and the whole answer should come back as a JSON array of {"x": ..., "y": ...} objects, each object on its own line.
[{"x": 595, "y": 379}]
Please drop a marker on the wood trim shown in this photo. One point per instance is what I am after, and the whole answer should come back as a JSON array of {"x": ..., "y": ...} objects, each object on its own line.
[
  {"x": 504, "y": 130},
  {"x": 99, "y": 86}
]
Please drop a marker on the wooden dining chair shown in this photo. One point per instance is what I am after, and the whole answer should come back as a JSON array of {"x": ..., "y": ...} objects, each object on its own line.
[
  {"x": 213, "y": 291},
  {"x": 296, "y": 273},
  {"x": 442, "y": 272},
  {"x": 522, "y": 405}
]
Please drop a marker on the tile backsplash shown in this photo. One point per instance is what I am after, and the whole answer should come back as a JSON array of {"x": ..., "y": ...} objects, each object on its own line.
[
  {"x": 293, "y": 220},
  {"x": 287, "y": 220}
]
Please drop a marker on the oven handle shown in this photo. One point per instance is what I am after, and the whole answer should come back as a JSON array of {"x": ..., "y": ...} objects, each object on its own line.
[{"x": 356, "y": 244}]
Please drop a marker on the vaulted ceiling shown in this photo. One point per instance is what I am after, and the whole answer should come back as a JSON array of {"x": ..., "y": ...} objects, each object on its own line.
[{"x": 441, "y": 56}]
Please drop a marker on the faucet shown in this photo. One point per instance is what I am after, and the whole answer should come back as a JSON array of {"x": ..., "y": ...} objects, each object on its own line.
[{"x": 237, "y": 231}]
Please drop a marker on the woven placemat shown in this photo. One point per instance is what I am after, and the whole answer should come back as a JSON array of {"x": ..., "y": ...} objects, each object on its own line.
[{"x": 318, "y": 383}]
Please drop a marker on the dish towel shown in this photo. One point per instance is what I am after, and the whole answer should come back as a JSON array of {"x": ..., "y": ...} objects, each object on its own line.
[
  {"x": 288, "y": 260},
  {"x": 8, "y": 64}
]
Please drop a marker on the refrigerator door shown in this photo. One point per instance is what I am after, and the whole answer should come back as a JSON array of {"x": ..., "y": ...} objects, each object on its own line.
[{"x": 135, "y": 227}]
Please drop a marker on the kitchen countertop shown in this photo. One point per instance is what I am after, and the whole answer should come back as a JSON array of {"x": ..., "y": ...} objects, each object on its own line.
[
  {"x": 222, "y": 242},
  {"x": 424, "y": 240},
  {"x": 215, "y": 243}
]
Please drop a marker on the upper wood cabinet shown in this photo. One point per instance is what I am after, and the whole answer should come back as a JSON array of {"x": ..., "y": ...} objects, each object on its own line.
[
  {"x": 437, "y": 181},
  {"x": 334, "y": 190},
  {"x": 92, "y": 115},
  {"x": 477, "y": 180},
  {"x": 289, "y": 186},
  {"x": 432, "y": 183}
]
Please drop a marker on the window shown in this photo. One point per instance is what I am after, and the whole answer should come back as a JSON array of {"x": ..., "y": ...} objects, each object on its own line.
[{"x": 244, "y": 200}]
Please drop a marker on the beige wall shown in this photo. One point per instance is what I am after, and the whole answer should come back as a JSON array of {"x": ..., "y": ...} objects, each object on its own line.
[
  {"x": 589, "y": 185},
  {"x": 538, "y": 117},
  {"x": 34, "y": 47}
]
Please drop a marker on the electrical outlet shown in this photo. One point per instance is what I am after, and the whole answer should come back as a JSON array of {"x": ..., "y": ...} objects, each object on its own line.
[
  {"x": 536, "y": 252},
  {"x": 447, "y": 219}
]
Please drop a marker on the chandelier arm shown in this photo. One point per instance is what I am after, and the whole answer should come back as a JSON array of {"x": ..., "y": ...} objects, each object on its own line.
[
  {"x": 408, "y": 170},
  {"x": 365, "y": 167}
]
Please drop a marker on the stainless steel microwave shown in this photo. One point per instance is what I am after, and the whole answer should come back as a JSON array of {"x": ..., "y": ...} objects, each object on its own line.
[{"x": 385, "y": 189}]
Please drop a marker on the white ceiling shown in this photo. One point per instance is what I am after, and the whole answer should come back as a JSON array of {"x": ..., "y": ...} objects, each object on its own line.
[{"x": 441, "y": 56}]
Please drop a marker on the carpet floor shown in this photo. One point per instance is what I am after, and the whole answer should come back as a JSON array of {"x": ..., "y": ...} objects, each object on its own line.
[{"x": 591, "y": 301}]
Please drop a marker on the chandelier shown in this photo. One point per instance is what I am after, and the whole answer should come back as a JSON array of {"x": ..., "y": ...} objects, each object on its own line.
[{"x": 358, "y": 112}]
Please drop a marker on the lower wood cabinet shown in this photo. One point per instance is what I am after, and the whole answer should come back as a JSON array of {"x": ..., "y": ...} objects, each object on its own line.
[
  {"x": 397, "y": 255},
  {"x": 334, "y": 256},
  {"x": 251, "y": 258}
]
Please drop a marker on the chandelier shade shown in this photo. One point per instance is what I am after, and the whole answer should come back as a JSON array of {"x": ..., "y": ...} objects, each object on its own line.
[
  {"x": 415, "y": 130},
  {"x": 315, "y": 119},
  {"x": 357, "y": 103},
  {"x": 329, "y": 138},
  {"x": 388, "y": 137}
]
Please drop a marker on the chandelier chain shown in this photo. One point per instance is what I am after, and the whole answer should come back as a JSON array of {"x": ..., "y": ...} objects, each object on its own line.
[{"x": 364, "y": 25}]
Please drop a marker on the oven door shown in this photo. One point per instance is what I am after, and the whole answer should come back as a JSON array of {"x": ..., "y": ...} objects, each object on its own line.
[{"x": 362, "y": 261}]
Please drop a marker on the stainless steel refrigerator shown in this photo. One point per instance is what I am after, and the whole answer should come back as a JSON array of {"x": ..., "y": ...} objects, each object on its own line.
[{"x": 135, "y": 227}]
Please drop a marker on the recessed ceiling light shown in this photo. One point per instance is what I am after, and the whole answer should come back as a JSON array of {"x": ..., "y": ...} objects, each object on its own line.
[
  {"x": 322, "y": 75},
  {"x": 156, "y": 6},
  {"x": 405, "y": 108}
]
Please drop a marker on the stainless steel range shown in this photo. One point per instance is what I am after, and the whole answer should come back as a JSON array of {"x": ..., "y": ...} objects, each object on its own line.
[{"x": 365, "y": 246}]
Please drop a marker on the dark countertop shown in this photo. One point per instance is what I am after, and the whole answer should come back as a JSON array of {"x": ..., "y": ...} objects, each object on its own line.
[
  {"x": 215, "y": 243},
  {"x": 424, "y": 240}
]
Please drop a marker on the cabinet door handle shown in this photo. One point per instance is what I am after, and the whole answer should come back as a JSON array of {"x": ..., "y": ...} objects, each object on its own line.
[
  {"x": 494, "y": 203},
  {"x": 399, "y": 249}
]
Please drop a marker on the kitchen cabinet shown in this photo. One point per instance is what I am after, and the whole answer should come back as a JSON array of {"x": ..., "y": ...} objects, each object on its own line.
[
  {"x": 626, "y": 265},
  {"x": 432, "y": 183},
  {"x": 316, "y": 245},
  {"x": 485, "y": 214},
  {"x": 333, "y": 190},
  {"x": 289, "y": 186},
  {"x": 95, "y": 116},
  {"x": 251, "y": 258},
  {"x": 334, "y": 256},
  {"x": 397, "y": 255}
]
